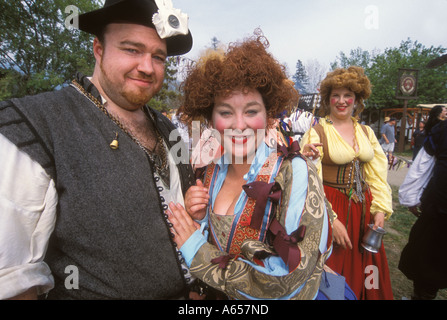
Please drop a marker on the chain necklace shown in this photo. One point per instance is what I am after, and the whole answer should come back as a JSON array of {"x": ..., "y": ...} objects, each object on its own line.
[{"x": 158, "y": 160}]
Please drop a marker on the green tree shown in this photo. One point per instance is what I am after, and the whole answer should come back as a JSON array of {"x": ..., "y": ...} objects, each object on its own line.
[
  {"x": 40, "y": 51},
  {"x": 215, "y": 43},
  {"x": 37, "y": 51},
  {"x": 301, "y": 78},
  {"x": 382, "y": 70},
  {"x": 357, "y": 57},
  {"x": 169, "y": 96},
  {"x": 383, "y": 74}
]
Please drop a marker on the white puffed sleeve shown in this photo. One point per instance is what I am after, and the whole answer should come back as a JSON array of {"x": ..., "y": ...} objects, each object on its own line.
[
  {"x": 416, "y": 180},
  {"x": 28, "y": 200}
]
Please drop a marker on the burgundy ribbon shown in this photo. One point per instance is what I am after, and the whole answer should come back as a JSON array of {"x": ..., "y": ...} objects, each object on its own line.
[
  {"x": 290, "y": 152},
  {"x": 285, "y": 245},
  {"x": 222, "y": 261},
  {"x": 261, "y": 192}
]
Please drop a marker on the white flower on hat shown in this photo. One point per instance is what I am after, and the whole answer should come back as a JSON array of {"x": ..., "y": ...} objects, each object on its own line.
[{"x": 169, "y": 21}]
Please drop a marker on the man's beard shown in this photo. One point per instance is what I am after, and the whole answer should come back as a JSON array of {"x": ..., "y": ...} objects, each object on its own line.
[{"x": 135, "y": 97}]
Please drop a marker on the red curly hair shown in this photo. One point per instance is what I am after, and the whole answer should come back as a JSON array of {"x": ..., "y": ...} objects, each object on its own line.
[
  {"x": 354, "y": 79},
  {"x": 246, "y": 65}
]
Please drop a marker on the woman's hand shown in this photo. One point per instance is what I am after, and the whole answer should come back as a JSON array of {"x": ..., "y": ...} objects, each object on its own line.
[
  {"x": 341, "y": 235},
  {"x": 379, "y": 220},
  {"x": 182, "y": 224},
  {"x": 196, "y": 200},
  {"x": 311, "y": 151}
]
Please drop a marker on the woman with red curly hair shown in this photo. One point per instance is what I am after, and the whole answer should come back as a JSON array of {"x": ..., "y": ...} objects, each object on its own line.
[
  {"x": 353, "y": 168},
  {"x": 255, "y": 240}
]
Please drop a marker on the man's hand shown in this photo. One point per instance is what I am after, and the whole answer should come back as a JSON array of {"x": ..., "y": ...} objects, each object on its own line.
[{"x": 182, "y": 225}]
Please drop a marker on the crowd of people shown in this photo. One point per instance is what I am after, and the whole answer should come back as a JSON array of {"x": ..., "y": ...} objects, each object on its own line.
[
  {"x": 422, "y": 190},
  {"x": 98, "y": 201}
]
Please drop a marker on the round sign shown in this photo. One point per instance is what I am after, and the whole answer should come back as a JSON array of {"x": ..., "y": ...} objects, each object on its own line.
[{"x": 408, "y": 84}]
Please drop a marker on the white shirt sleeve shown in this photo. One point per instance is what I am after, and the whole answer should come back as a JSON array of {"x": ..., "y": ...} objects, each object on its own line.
[
  {"x": 416, "y": 180},
  {"x": 28, "y": 200}
]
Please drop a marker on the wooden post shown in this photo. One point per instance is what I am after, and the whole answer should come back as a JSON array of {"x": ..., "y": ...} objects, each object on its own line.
[
  {"x": 403, "y": 128},
  {"x": 406, "y": 90}
]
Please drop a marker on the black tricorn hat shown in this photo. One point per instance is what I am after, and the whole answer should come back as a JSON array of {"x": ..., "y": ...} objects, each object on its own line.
[{"x": 131, "y": 11}]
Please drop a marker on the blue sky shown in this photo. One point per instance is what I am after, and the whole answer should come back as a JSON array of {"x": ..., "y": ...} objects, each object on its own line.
[{"x": 317, "y": 29}]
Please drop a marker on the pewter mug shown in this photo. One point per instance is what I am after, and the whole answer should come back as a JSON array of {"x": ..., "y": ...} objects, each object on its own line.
[{"x": 372, "y": 240}]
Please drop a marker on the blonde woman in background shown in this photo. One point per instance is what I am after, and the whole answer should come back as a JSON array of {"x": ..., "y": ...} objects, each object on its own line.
[{"x": 353, "y": 168}]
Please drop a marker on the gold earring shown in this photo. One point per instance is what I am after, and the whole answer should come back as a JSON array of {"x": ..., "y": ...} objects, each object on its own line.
[{"x": 114, "y": 144}]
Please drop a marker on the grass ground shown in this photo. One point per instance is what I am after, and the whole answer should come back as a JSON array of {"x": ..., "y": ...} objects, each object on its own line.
[{"x": 398, "y": 229}]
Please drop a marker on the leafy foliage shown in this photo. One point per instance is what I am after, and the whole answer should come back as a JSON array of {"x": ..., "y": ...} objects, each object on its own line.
[
  {"x": 382, "y": 70},
  {"x": 169, "y": 97},
  {"x": 38, "y": 52},
  {"x": 301, "y": 78}
]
